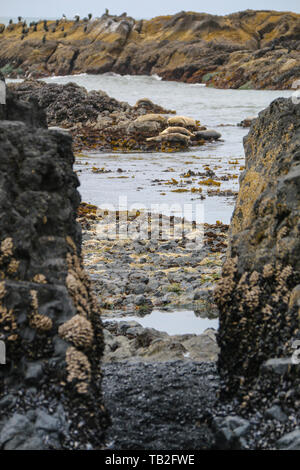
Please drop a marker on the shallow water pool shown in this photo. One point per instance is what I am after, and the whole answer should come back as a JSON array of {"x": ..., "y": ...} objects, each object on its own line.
[{"x": 177, "y": 322}]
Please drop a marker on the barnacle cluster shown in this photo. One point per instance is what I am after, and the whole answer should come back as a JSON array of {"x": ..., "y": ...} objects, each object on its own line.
[
  {"x": 8, "y": 323},
  {"x": 79, "y": 285},
  {"x": 7, "y": 247},
  {"x": 39, "y": 279},
  {"x": 10, "y": 265},
  {"x": 254, "y": 308},
  {"x": 227, "y": 283},
  {"x": 78, "y": 369},
  {"x": 2, "y": 290},
  {"x": 40, "y": 322},
  {"x": 78, "y": 330}
]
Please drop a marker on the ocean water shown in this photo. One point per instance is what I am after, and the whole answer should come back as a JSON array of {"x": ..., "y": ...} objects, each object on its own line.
[{"x": 137, "y": 184}]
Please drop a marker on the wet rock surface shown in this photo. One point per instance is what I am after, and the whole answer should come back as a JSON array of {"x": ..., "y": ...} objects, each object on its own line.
[
  {"x": 248, "y": 49},
  {"x": 175, "y": 405},
  {"x": 49, "y": 316},
  {"x": 50, "y": 389},
  {"x": 130, "y": 341},
  {"x": 133, "y": 277}
]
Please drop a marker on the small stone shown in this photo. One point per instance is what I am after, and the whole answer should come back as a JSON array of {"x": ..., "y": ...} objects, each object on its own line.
[
  {"x": 7, "y": 402},
  {"x": 290, "y": 441},
  {"x": 34, "y": 373},
  {"x": 275, "y": 412},
  {"x": 279, "y": 366}
]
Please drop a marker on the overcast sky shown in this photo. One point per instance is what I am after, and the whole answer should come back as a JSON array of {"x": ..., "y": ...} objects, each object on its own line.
[{"x": 137, "y": 8}]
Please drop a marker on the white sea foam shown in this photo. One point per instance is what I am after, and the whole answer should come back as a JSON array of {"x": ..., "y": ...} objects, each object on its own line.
[{"x": 157, "y": 77}]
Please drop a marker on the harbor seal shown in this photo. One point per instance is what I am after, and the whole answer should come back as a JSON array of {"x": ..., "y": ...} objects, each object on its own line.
[
  {"x": 182, "y": 121},
  {"x": 171, "y": 138},
  {"x": 177, "y": 130},
  {"x": 152, "y": 117}
]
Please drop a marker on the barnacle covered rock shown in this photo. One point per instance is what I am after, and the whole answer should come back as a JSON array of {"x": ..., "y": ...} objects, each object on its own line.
[
  {"x": 79, "y": 369},
  {"x": 78, "y": 330},
  {"x": 48, "y": 310},
  {"x": 258, "y": 319}
]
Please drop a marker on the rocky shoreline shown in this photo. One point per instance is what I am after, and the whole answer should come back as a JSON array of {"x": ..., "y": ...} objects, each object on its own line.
[
  {"x": 133, "y": 277},
  {"x": 245, "y": 50}
]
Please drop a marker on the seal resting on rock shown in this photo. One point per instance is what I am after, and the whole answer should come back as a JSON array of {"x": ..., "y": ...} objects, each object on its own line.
[
  {"x": 177, "y": 130},
  {"x": 171, "y": 138},
  {"x": 152, "y": 117},
  {"x": 182, "y": 121}
]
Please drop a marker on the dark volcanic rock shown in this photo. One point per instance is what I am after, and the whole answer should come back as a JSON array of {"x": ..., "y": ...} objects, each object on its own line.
[
  {"x": 93, "y": 118},
  {"x": 49, "y": 317},
  {"x": 27, "y": 111},
  {"x": 70, "y": 104},
  {"x": 258, "y": 295},
  {"x": 230, "y": 432}
]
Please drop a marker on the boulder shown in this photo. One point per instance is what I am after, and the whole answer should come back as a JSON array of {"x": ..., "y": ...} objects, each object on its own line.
[
  {"x": 289, "y": 441},
  {"x": 70, "y": 104},
  {"x": 49, "y": 316},
  {"x": 258, "y": 294},
  {"x": 144, "y": 128}
]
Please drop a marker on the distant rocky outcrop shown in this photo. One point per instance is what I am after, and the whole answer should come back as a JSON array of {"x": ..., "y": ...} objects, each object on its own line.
[
  {"x": 259, "y": 292},
  {"x": 96, "y": 120},
  {"x": 249, "y": 49},
  {"x": 50, "y": 386}
]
